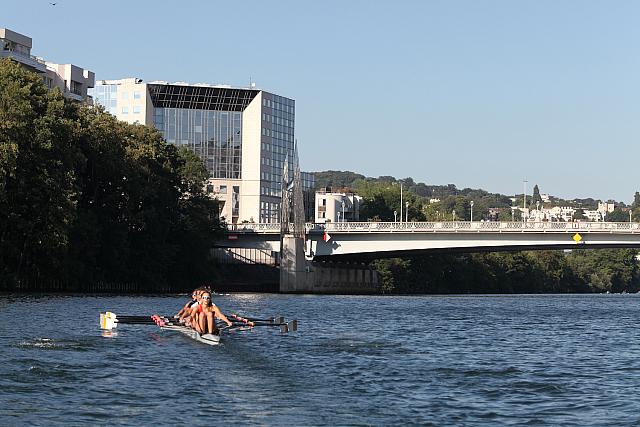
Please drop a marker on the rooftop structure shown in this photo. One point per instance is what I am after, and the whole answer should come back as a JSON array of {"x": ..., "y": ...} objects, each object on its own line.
[{"x": 72, "y": 80}]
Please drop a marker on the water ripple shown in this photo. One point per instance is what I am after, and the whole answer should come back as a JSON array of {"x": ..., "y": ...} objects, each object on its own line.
[{"x": 502, "y": 360}]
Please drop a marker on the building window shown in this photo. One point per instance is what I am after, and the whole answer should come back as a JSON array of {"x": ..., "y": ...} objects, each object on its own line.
[
  {"x": 125, "y": 110},
  {"x": 223, "y": 189},
  {"x": 136, "y": 109},
  {"x": 125, "y": 95},
  {"x": 76, "y": 87},
  {"x": 136, "y": 95}
]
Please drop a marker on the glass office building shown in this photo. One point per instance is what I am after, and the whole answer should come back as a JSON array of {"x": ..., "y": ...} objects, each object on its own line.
[{"x": 242, "y": 135}]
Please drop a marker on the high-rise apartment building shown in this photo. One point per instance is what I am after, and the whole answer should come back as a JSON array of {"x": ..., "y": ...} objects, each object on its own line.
[
  {"x": 243, "y": 135},
  {"x": 72, "y": 80}
]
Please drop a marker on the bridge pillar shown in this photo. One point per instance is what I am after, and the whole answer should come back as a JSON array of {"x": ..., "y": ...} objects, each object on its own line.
[
  {"x": 299, "y": 275},
  {"x": 294, "y": 271}
]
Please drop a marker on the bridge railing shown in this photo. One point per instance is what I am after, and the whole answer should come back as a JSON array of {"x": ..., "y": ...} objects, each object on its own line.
[{"x": 447, "y": 226}]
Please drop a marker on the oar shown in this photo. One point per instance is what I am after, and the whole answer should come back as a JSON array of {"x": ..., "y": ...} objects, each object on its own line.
[
  {"x": 109, "y": 320},
  {"x": 291, "y": 326},
  {"x": 279, "y": 319},
  {"x": 125, "y": 317}
]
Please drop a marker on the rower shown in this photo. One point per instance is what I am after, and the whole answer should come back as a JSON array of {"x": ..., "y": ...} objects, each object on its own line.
[
  {"x": 185, "y": 310},
  {"x": 207, "y": 315},
  {"x": 191, "y": 318}
]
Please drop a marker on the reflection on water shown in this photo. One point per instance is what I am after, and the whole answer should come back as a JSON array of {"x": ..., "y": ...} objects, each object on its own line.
[{"x": 544, "y": 360}]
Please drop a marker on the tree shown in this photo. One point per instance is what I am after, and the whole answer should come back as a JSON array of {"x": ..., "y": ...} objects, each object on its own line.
[
  {"x": 601, "y": 270},
  {"x": 37, "y": 187},
  {"x": 85, "y": 198},
  {"x": 618, "y": 215},
  {"x": 536, "y": 195}
]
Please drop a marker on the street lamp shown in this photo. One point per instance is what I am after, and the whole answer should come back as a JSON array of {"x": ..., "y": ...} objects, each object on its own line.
[
  {"x": 630, "y": 211},
  {"x": 338, "y": 216},
  {"x": 400, "y": 201},
  {"x": 524, "y": 200},
  {"x": 454, "y": 214},
  {"x": 471, "y": 203},
  {"x": 406, "y": 214},
  {"x": 343, "y": 211},
  {"x": 395, "y": 216}
]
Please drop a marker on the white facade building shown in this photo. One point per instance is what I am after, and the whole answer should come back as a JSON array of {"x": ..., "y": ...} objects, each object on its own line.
[
  {"x": 606, "y": 207},
  {"x": 337, "y": 207},
  {"x": 243, "y": 135},
  {"x": 72, "y": 80}
]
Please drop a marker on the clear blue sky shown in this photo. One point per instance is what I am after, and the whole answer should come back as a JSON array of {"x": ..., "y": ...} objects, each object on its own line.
[{"x": 476, "y": 93}]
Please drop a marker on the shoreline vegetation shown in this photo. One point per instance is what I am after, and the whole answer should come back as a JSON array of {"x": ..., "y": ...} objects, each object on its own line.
[
  {"x": 526, "y": 272},
  {"x": 88, "y": 200},
  {"x": 92, "y": 204}
]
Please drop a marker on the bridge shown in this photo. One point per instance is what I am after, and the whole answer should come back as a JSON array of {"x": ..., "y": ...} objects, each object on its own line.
[{"x": 388, "y": 239}]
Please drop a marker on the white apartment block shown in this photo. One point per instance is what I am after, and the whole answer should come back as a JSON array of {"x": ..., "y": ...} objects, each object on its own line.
[
  {"x": 566, "y": 213},
  {"x": 337, "y": 207},
  {"x": 243, "y": 135},
  {"x": 563, "y": 213},
  {"x": 72, "y": 80},
  {"x": 593, "y": 215},
  {"x": 606, "y": 207}
]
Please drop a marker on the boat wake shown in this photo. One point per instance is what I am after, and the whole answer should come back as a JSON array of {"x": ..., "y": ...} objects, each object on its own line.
[{"x": 54, "y": 344}]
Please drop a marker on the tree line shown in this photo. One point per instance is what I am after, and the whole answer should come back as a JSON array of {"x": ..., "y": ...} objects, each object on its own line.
[{"x": 86, "y": 199}]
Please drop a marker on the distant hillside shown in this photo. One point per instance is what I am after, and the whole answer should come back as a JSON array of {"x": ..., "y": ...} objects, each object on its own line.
[
  {"x": 337, "y": 179},
  {"x": 347, "y": 180}
]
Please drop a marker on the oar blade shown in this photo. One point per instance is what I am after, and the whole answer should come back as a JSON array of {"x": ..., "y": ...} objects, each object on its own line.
[
  {"x": 291, "y": 326},
  {"x": 108, "y": 321}
]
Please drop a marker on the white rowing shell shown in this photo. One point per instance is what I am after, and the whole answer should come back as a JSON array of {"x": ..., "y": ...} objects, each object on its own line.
[{"x": 208, "y": 339}]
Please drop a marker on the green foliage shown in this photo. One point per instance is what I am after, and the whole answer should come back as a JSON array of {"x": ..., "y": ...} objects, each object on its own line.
[
  {"x": 85, "y": 198},
  {"x": 536, "y": 198},
  {"x": 392, "y": 271},
  {"x": 37, "y": 184},
  {"x": 613, "y": 270},
  {"x": 336, "y": 179},
  {"x": 618, "y": 215},
  {"x": 512, "y": 272},
  {"x": 381, "y": 199}
]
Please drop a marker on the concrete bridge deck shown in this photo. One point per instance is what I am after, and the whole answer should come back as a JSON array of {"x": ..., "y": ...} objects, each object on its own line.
[{"x": 391, "y": 239}]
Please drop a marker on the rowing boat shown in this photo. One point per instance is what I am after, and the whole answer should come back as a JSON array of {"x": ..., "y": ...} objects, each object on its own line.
[
  {"x": 109, "y": 321},
  {"x": 209, "y": 339}
]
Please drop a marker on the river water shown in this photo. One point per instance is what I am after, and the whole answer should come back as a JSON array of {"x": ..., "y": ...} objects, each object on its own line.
[{"x": 355, "y": 360}]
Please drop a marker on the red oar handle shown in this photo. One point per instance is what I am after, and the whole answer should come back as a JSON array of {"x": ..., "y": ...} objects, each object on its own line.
[{"x": 159, "y": 321}]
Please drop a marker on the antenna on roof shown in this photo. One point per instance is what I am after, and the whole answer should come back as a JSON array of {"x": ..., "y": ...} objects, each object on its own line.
[{"x": 251, "y": 83}]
